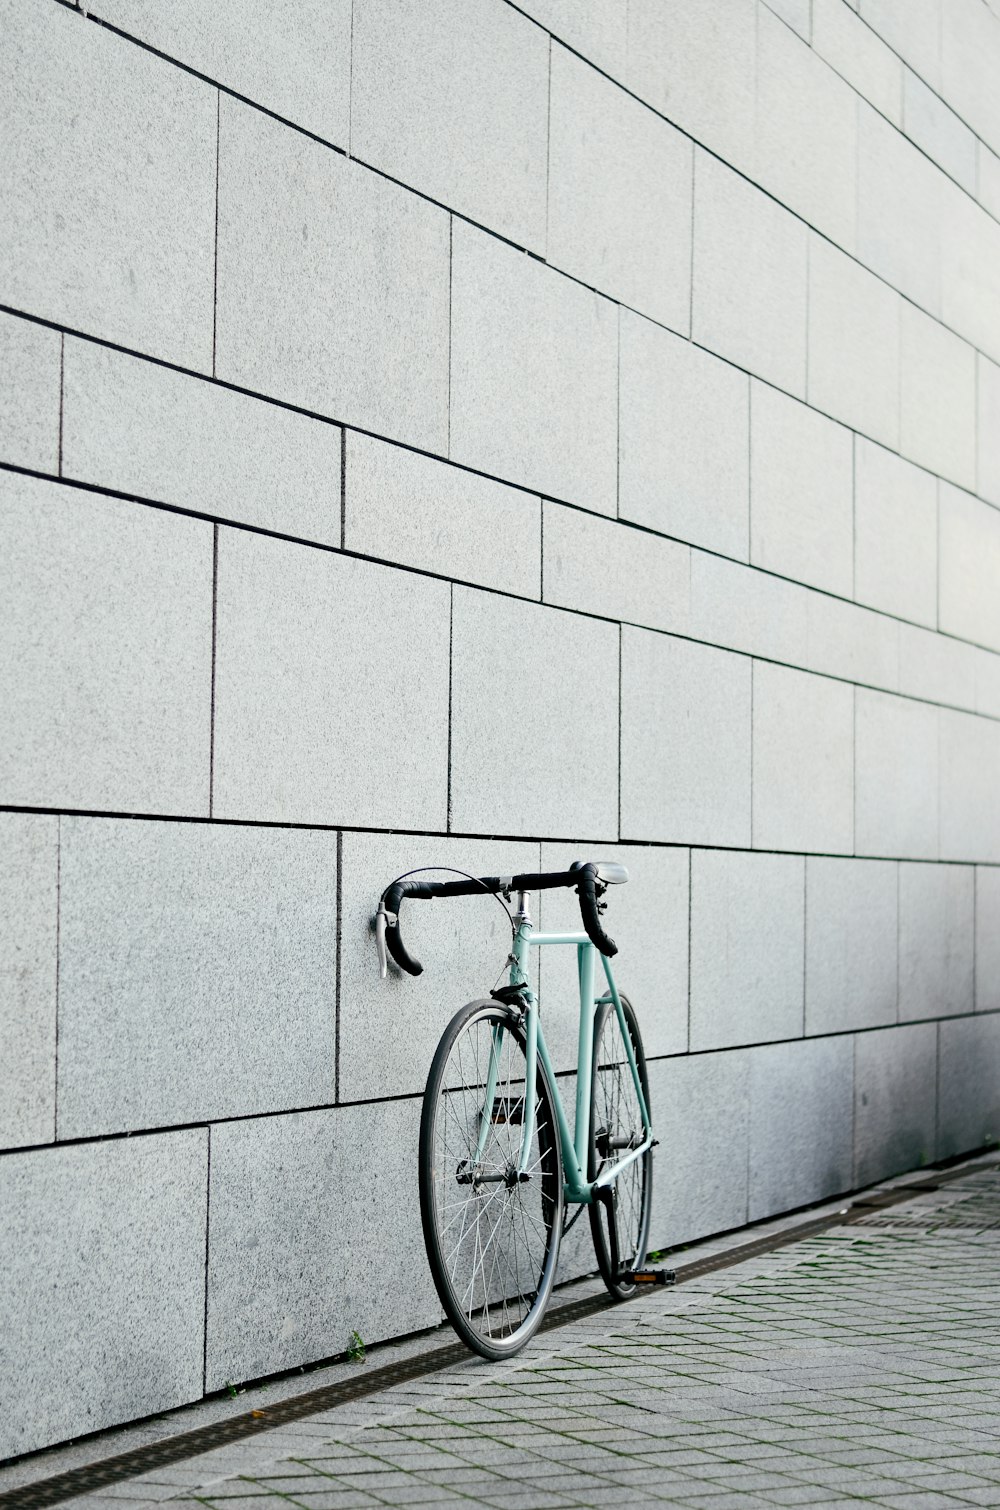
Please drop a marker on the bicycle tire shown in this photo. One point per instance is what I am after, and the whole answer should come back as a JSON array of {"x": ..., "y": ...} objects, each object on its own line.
[
  {"x": 615, "y": 1112},
  {"x": 500, "y": 1312}
]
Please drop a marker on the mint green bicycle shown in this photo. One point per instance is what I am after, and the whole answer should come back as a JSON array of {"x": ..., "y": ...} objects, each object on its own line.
[{"x": 498, "y": 1163}]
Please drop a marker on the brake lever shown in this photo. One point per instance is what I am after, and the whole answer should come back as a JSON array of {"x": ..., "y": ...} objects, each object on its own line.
[{"x": 381, "y": 922}]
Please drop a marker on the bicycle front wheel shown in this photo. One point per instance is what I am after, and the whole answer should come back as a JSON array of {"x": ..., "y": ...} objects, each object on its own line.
[
  {"x": 620, "y": 1226},
  {"x": 492, "y": 1235}
]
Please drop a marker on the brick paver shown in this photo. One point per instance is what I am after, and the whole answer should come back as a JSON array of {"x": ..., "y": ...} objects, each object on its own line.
[{"x": 859, "y": 1365}]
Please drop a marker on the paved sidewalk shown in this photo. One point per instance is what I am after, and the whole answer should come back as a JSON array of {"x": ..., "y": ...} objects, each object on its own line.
[{"x": 861, "y": 1364}]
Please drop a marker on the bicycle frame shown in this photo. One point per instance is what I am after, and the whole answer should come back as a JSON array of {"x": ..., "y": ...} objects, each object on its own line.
[{"x": 578, "y": 1188}]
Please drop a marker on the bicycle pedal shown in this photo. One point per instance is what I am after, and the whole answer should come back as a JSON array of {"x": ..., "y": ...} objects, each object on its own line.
[{"x": 648, "y": 1276}]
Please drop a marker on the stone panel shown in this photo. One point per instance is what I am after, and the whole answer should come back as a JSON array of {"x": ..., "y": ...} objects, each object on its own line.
[
  {"x": 968, "y": 1084},
  {"x": 293, "y": 57},
  {"x": 853, "y": 344},
  {"x": 937, "y": 397},
  {"x": 970, "y": 773},
  {"x": 534, "y": 720},
  {"x": 987, "y": 939},
  {"x": 896, "y": 777},
  {"x": 685, "y": 742},
  {"x": 534, "y": 364},
  {"x": 970, "y": 567},
  {"x": 409, "y": 508},
  {"x": 108, "y": 185},
  {"x": 747, "y": 947},
  {"x": 851, "y": 944},
  {"x": 749, "y": 301},
  {"x": 102, "y": 1247},
  {"x": 701, "y": 1114},
  {"x": 142, "y": 428},
  {"x": 29, "y": 867},
  {"x": 452, "y": 98},
  {"x": 801, "y": 493},
  {"x": 895, "y": 1101},
  {"x": 801, "y": 1123},
  {"x": 326, "y": 668},
  {"x": 197, "y": 972},
  {"x": 683, "y": 439},
  {"x": 30, "y": 360},
  {"x": 314, "y": 1232},
  {"x": 105, "y": 652},
  {"x": 803, "y": 760},
  {"x": 619, "y": 198},
  {"x": 332, "y": 283},
  {"x": 936, "y": 940},
  {"x": 895, "y": 534},
  {"x": 603, "y": 567}
]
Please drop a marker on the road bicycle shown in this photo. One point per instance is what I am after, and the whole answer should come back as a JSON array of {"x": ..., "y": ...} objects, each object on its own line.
[{"x": 499, "y": 1165}]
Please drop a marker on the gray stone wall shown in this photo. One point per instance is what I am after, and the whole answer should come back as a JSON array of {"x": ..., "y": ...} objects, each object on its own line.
[{"x": 446, "y": 431}]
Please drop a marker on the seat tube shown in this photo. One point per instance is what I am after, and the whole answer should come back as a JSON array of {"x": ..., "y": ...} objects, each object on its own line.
[{"x": 585, "y": 1051}]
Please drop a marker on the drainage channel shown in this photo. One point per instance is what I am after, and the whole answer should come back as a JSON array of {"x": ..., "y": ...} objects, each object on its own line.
[{"x": 126, "y": 1465}]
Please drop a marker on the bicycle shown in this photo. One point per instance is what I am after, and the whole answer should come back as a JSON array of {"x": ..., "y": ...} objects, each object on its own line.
[{"x": 498, "y": 1164}]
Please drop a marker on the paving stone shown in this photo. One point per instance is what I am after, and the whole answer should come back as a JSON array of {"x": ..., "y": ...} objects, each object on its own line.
[
  {"x": 895, "y": 1101},
  {"x": 600, "y": 566},
  {"x": 29, "y": 863},
  {"x": 895, "y": 535},
  {"x": 656, "y": 982},
  {"x": 402, "y": 506},
  {"x": 300, "y": 661},
  {"x": 105, "y": 670},
  {"x": 142, "y": 428},
  {"x": 332, "y": 284},
  {"x": 102, "y": 1278},
  {"x": 314, "y": 1232},
  {"x": 801, "y": 1122},
  {"x": 749, "y": 300},
  {"x": 896, "y": 776},
  {"x": 854, "y": 360},
  {"x": 30, "y": 359},
  {"x": 968, "y": 1081},
  {"x": 801, "y": 493},
  {"x": 683, "y": 442},
  {"x": 691, "y": 782},
  {"x": 619, "y": 194},
  {"x": 747, "y": 947},
  {"x": 197, "y": 972},
  {"x": 851, "y": 944},
  {"x": 462, "y": 943},
  {"x": 293, "y": 57},
  {"x": 806, "y": 128},
  {"x": 453, "y": 100},
  {"x": 936, "y": 940},
  {"x": 533, "y": 374},
  {"x": 570, "y": 785},
  {"x": 120, "y": 243},
  {"x": 803, "y": 760}
]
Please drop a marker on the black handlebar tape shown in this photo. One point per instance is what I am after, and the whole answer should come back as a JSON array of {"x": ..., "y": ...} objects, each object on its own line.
[
  {"x": 586, "y": 890},
  {"x": 398, "y": 950}
]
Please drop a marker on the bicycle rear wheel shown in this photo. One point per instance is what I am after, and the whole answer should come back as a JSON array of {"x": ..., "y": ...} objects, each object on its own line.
[
  {"x": 492, "y": 1238},
  {"x": 615, "y": 1123}
]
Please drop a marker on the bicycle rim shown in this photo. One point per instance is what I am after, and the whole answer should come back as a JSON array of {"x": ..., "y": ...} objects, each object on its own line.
[
  {"x": 492, "y": 1239},
  {"x": 616, "y": 1116}
]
